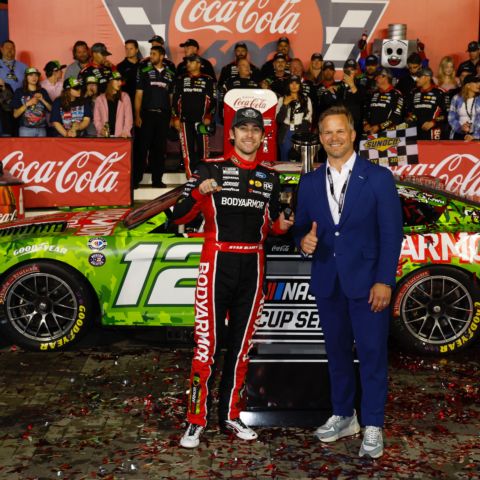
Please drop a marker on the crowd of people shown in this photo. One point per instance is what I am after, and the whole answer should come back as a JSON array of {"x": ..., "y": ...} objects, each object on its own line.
[{"x": 152, "y": 99}]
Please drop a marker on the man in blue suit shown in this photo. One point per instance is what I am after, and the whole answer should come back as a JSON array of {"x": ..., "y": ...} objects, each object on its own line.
[{"x": 349, "y": 218}]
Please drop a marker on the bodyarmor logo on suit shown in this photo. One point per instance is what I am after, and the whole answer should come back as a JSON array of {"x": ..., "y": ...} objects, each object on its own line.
[
  {"x": 243, "y": 202},
  {"x": 202, "y": 314}
]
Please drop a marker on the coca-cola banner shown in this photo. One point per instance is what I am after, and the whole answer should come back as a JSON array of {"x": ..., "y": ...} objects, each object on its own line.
[
  {"x": 332, "y": 27},
  {"x": 456, "y": 164},
  {"x": 59, "y": 172}
]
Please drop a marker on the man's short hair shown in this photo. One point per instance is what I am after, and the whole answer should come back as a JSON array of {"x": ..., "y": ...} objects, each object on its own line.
[
  {"x": 132, "y": 41},
  {"x": 158, "y": 48},
  {"x": 414, "y": 59},
  {"x": 336, "y": 110},
  {"x": 8, "y": 41}
]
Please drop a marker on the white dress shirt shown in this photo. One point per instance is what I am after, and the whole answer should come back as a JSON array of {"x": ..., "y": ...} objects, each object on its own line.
[{"x": 338, "y": 179}]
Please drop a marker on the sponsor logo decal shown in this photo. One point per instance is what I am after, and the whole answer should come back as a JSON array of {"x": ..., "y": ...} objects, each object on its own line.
[
  {"x": 202, "y": 331},
  {"x": 97, "y": 243},
  {"x": 97, "y": 259},
  {"x": 243, "y": 202},
  {"x": 13, "y": 278},
  {"x": 261, "y": 175},
  {"x": 41, "y": 247}
]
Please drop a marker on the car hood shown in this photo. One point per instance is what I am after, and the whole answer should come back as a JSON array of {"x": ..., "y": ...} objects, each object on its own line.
[{"x": 88, "y": 223}]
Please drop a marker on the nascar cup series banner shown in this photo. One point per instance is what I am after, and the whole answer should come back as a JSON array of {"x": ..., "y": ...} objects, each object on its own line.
[
  {"x": 61, "y": 172},
  {"x": 48, "y": 29}
]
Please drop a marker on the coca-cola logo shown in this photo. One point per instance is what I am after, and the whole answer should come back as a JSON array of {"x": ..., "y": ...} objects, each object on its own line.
[
  {"x": 8, "y": 217},
  {"x": 330, "y": 26},
  {"x": 250, "y": 102},
  {"x": 241, "y": 16},
  {"x": 89, "y": 171},
  {"x": 459, "y": 171}
]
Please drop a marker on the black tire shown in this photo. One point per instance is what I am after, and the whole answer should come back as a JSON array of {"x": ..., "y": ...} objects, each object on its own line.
[
  {"x": 45, "y": 306},
  {"x": 436, "y": 310}
]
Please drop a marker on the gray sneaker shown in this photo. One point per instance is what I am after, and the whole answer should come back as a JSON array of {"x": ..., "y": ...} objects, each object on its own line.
[
  {"x": 372, "y": 444},
  {"x": 337, "y": 427}
]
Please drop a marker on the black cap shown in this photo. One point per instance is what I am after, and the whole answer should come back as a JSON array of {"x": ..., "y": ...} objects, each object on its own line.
[
  {"x": 328, "y": 64},
  {"x": 295, "y": 78},
  {"x": 190, "y": 42},
  {"x": 473, "y": 46},
  {"x": 158, "y": 48},
  {"x": 471, "y": 79},
  {"x": 192, "y": 58},
  {"x": 100, "y": 48},
  {"x": 371, "y": 60},
  {"x": 425, "y": 72},
  {"x": 350, "y": 63},
  {"x": 241, "y": 45},
  {"x": 157, "y": 38},
  {"x": 52, "y": 66},
  {"x": 247, "y": 115},
  {"x": 414, "y": 58},
  {"x": 71, "y": 82},
  {"x": 316, "y": 56},
  {"x": 283, "y": 39},
  {"x": 279, "y": 55},
  {"x": 467, "y": 67}
]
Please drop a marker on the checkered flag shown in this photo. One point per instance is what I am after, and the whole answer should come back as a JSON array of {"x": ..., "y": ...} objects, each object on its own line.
[
  {"x": 344, "y": 21},
  {"x": 391, "y": 148},
  {"x": 141, "y": 19}
]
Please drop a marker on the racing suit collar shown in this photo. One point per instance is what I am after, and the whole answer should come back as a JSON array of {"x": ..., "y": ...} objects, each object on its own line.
[
  {"x": 388, "y": 89},
  {"x": 242, "y": 163}
]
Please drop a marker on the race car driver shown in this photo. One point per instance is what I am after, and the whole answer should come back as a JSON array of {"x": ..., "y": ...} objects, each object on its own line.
[{"x": 239, "y": 199}]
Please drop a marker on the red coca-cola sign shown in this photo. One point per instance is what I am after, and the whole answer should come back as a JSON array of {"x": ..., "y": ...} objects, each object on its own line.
[
  {"x": 70, "y": 172},
  {"x": 457, "y": 164}
]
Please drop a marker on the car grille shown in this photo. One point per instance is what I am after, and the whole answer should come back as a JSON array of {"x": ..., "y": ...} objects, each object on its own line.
[{"x": 41, "y": 228}]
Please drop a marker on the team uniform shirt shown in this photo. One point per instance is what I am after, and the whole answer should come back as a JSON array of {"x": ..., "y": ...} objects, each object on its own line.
[
  {"x": 278, "y": 85},
  {"x": 466, "y": 65},
  {"x": 194, "y": 98},
  {"x": 268, "y": 71},
  {"x": 156, "y": 86},
  {"x": 426, "y": 106},
  {"x": 129, "y": 70},
  {"x": 101, "y": 72},
  {"x": 34, "y": 116},
  {"x": 385, "y": 108},
  {"x": 78, "y": 111}
]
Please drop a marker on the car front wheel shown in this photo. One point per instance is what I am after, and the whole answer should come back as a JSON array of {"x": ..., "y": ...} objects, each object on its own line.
[
  {"x": 436, "y": 310},
  {"x": 45, "y": 306}
]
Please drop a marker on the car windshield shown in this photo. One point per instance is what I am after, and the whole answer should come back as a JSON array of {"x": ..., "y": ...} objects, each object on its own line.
[{"x": 152, "y": 208}]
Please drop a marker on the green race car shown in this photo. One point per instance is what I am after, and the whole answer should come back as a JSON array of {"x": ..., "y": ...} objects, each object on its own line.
[{"x": 133, "y": 267}]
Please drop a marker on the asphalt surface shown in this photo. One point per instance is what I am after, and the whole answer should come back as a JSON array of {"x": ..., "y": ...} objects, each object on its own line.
[{"x": 113, "y": 408}]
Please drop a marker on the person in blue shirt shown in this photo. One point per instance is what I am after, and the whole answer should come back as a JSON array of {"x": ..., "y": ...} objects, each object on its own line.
[
  {"x": 71, "y": 113},
  {"x": 11, "y": 70},
  {"x": 30, "y": 105}
]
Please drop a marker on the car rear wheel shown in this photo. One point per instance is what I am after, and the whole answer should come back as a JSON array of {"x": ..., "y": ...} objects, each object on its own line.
[
  {"x": 436, "y": 310},
  {"x": 45, "y": 306}
]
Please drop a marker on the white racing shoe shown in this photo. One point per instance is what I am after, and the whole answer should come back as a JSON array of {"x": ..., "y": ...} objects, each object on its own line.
[
  {"x": 191, "y": 437},
  {"x": 241, "y": 430},
  {"x": 372, "y": 444},
  {"x": 337, "y": 427}
]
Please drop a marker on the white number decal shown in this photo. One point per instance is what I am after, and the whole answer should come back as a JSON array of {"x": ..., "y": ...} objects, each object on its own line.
[
  {"x": 165, "y": 290},
  {"x": 140, "y": 260}
]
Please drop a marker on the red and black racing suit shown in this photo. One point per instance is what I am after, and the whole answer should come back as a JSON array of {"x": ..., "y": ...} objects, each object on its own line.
[{"x": 229, "y": 294}]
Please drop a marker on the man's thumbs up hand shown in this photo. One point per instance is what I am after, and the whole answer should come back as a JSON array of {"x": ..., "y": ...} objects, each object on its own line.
[{"x": 310, "y": 240}]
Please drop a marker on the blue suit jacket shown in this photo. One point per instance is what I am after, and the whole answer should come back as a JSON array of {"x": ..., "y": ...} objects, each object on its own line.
[{"x": 365, "y": 246}]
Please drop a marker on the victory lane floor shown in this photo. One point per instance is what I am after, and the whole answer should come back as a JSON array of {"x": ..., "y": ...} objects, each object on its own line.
[{"x": 114, "y": 410}]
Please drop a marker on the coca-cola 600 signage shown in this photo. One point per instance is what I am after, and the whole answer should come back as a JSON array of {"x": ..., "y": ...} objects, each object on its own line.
[
  {"x": 70, "y": 172},
  {"x": 331, "y": 26}
]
